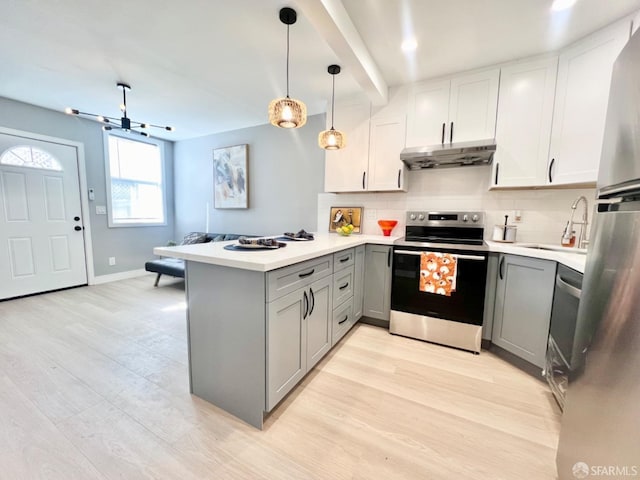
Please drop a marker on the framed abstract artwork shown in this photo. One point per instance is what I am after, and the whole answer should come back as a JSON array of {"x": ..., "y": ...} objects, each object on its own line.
[{"x": 231, "y": 177}]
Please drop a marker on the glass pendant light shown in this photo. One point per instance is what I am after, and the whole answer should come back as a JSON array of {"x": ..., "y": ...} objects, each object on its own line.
[
  {"x": 287, "y": 112},
  {"x": 332, "y": 139}
]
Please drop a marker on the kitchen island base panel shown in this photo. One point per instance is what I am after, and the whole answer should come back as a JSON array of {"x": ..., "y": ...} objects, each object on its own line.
[{"x": 226, "y": 326}]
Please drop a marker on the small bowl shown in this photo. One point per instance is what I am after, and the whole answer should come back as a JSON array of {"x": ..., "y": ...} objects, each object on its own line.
[{"x": 387, "y": 226}]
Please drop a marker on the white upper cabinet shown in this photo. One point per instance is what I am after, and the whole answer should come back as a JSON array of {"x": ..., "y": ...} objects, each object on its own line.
[
  {"x": 582, "y": 94},
  {"x": 472, "y": 106},
  {"x": 386, "y": 170},
  {"x": 428, "y": 113},
  {"x": 458, "y": 109},
  {"x": 371, "y": 159},
  {"x": 523, "y": 129},
  {"x": 345, "y": 168}
]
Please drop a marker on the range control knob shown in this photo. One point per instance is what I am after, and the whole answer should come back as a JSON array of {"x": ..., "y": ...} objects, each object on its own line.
[
  {"x": 421, "y": 217},
  {"x": 465, "y": 218},
  {"x": 412, "y": 216},
  {"x": 475, "y": 218}
]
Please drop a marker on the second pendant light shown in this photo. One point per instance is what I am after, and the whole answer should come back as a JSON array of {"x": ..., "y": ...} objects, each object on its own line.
[{"x": 332, "y": 139}]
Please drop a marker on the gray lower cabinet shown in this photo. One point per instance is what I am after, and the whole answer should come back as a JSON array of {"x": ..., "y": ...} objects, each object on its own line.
[
  {"x": 524, "y": 295},
  {"x": 343, "y": 320},
  {"x": 358, "y": 283},
  {"x": 377, "y": 282},
  {"x": 298, "y": 336}
]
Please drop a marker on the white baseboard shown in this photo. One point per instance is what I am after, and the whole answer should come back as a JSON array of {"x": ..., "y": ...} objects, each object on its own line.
[{"x": 114, "y": 277}]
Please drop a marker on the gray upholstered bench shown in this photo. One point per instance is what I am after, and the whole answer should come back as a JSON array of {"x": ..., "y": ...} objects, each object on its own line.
[{"x": 175, "y": 266}]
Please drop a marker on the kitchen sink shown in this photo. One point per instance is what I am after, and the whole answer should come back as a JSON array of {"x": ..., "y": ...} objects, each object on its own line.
[{"x": 555, "y": 248}]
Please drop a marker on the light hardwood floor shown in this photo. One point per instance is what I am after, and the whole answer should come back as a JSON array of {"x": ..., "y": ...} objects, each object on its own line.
[{"x": 93, "y": 384}]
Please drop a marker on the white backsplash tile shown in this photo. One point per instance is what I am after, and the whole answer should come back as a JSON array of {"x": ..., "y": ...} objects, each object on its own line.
[{"x": 544, "y": 212}]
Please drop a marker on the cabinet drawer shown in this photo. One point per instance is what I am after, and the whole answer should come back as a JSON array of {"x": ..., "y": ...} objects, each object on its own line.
[
  {"x": 286, "y": 280},
  {"x": 343, "y": 259},
  {"x": 342, "y": 285},
  {"x": 343, "y": 320}
]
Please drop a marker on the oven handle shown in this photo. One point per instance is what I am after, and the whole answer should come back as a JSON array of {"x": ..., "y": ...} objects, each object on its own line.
[{"x": 461, "y": 257}]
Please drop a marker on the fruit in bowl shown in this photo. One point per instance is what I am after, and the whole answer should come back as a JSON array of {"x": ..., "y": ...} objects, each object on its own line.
[
  {"x": 345, "y": 230},
  {"x": 387, "y": 226}
]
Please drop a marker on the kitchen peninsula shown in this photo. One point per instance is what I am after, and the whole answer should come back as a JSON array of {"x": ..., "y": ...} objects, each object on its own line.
[{"x": 259, "y": 320}]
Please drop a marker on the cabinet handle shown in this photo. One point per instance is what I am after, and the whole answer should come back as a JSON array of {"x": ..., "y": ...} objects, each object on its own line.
[
  {"x": 497, "y": 170},
  {"x": 399, "y": 172},
  {"x": 442, "y": 134},
  {"x": 500, "y": 268},
  {"x": 342, "y": 260},
  {"x": 550, "y": 167},
  {"x": 303, "y": 275},
  {"x": 451, "y": 133},
  {"x": 344, "y": 286},
  {"x": 305, "y": 303},
  {"x": 364, "y": 174},
  {"x": 313, "y": 300},
  {"x": 343, "y": 320},
  {"x": 389, "y": 258}
]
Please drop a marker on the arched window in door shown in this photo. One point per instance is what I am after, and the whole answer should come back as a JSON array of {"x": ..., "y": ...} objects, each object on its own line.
[{"x": 31, "y": 157}]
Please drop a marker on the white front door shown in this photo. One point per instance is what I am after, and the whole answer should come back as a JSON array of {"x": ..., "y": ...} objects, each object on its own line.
[{"x": 41, "y": 228}]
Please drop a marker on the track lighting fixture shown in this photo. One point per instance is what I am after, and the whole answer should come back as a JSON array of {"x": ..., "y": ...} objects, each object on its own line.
[{"x": 122, "y": 123}]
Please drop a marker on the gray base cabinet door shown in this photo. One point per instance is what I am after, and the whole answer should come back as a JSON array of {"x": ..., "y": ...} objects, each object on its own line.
[
  {"x": 358, "y": 283},
  {"x": 377, "y": 282},
  {"x": 298, "y": 336},
  {"x": 318, "y": 321},
  {"x": 522, "y": 314},
  {"x": 286, "y": 346}
]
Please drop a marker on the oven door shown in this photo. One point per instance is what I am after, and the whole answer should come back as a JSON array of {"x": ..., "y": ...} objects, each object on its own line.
[{"x": 465, "y": 305}]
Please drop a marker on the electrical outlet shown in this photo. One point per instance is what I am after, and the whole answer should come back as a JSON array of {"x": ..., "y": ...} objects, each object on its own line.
[
  {"x": 112, "y": 261},
  {"x": 517, "y": 216},
  {"x": 101, "y": 210}
]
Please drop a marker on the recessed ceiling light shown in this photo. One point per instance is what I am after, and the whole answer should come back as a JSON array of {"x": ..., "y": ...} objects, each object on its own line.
[
  {"x": 559, "y": 5},
  {"x": 409, "y": 45}
]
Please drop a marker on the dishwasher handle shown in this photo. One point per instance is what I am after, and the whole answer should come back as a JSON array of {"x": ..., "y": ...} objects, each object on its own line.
[{"x": 566, "y": 287}]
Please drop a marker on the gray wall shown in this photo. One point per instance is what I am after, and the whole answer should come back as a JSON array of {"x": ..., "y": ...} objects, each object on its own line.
[
  {"x": 131, "y": 246},
  {"x": 286, "y": 173}
]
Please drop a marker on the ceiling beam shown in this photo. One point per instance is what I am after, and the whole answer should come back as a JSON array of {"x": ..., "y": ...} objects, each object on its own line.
[{"x": 331, "y": 20}]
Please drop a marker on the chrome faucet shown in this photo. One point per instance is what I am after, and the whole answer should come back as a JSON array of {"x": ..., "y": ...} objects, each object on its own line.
[{"x": 582, "y": 238}]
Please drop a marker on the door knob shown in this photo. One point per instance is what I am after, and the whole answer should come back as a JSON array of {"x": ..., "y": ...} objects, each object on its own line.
[{"x": 77, "y": 228}]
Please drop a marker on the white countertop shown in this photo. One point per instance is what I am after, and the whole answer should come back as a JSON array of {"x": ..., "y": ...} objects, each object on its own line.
[
  {"x": 324, "y": 244},
  {"x": 266, "y": 260},
  {"x": 569, "y": 257}
]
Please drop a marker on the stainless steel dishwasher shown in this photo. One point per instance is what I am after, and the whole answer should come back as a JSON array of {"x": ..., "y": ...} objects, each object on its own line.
[{"x": 564, "y": 315}]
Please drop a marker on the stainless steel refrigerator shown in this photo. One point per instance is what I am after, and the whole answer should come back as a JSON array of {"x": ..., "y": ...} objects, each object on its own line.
[{"x": 600, "y": 432}]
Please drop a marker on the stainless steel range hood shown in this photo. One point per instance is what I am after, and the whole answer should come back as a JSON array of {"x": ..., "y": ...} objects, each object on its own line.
[{"x": 449, "y": 154}]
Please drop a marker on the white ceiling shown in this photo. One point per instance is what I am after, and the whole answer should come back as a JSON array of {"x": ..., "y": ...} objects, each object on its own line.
[{"x": 208, "y": 66}]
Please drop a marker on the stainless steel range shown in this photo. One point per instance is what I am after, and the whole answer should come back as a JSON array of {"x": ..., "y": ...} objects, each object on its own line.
[{"x": 440, "y": 249}]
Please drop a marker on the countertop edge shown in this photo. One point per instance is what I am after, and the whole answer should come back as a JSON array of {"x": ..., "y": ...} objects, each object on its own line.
[
  {"x": 569, "y": 259},
  {"x": 213, "y": 253}
]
